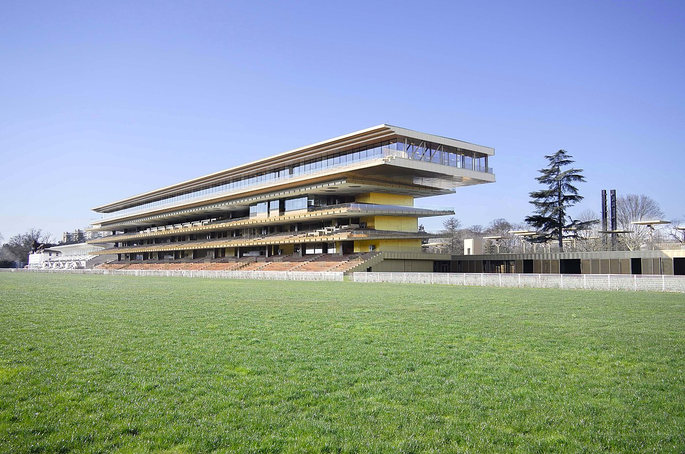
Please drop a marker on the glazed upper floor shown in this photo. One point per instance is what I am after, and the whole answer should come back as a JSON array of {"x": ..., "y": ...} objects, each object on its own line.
[{"x": 419, "y": 159}]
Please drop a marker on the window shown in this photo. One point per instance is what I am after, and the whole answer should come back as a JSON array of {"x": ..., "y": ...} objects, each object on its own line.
[
  {"x": 259, "y": 208},
  {"x": 296, "y": 204}
]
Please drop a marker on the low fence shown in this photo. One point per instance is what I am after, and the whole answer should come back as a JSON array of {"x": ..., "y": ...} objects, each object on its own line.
[
  {"x": 263, "y": 275},
  {"x": 628, "y": 282}
]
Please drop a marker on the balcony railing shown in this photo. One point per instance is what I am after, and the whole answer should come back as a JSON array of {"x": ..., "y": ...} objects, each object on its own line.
[{"x": 311, "y": 169}]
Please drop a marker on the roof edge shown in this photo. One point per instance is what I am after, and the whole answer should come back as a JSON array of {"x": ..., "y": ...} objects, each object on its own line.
[{"x": 367, "y": 133}]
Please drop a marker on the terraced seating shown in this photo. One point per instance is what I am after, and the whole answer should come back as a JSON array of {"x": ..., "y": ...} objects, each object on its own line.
[
  {"x": 311, "y": 263},
  {"x": 348, "y": 265},
  {"x": 281, "y": 263},
  {"x": 112, "y": 266},
  {"x": 316, "y": 266},
  {"x": 326, "y": 263},
  {"x": 278, "y": 266},
  {"x": 224, "y": 266}
]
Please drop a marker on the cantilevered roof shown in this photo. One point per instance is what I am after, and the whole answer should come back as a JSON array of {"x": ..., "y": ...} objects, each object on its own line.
[{"x": 342, "y": 143}]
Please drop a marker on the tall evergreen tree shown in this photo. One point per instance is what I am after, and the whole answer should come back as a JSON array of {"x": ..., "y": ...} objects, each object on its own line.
[{"x": 551, "y": 204}]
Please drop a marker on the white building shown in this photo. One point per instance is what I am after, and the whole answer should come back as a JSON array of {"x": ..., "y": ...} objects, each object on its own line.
[{"x": 70, "y": 256}]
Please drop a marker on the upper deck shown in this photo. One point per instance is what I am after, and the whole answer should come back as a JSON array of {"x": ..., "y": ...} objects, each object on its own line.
[{"x": 432, "y": 164}]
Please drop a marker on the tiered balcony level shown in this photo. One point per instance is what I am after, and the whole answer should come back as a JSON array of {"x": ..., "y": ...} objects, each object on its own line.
[{"x": 279, "y": 191}]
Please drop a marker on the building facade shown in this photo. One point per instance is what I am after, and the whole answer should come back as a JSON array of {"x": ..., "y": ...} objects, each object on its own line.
[
  {"x": 79, "y": 236},
  {"x": 352, "y": 194},
  {"x": 666, "y": 262}
]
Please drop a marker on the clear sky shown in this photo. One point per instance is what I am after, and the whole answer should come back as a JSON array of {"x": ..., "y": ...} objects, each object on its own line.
[{"x": 102, "y": 100}]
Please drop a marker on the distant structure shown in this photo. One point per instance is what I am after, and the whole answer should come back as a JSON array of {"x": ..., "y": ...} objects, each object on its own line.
[
  {"x": 79, "y": 236},
  {"x": 473, "y": 246},
  {"x": 669, "y": 262},
  {"x": 69, "y": 256}
]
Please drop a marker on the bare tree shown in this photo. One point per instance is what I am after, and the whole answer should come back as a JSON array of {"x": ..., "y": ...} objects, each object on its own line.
[
  {"x": 676, "y": 234},
  {"x": 589, "y": 239},
  {"x": 501, "y": 227},
  {"x": 475, "y": 230},
  {"x": 518, "y": 242},
  {"x": 20, "y": 246},
  {"x": 636, "y": 207},
  {"x": 453, "y": 233}
]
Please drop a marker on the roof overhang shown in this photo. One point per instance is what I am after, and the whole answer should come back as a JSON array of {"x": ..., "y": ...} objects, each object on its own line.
[{"x": 342, "y": 143}]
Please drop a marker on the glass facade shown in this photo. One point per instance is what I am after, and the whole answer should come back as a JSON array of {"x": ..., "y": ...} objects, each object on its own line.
[
  {"x": 402, "y": 148},
  {"x": 260, "y": 208},
  {"x": 299, "y": 203}
]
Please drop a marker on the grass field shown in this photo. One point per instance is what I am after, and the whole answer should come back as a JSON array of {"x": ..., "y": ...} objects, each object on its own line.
[{"x": 107, "y": 363}]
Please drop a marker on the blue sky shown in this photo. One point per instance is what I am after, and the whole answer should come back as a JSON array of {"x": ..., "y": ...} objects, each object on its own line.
[{"x": 102, "y": 100}]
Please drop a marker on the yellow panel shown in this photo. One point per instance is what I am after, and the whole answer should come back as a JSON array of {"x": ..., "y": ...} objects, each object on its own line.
[
  {"x": 411, "y": 245},
  {"x": 382, "y": 198},
  {"x": 363, "y": 246},
  {"x": 397, "y": 223},
  {"x": 370, "y": 221},
  {"x": 393, "y": 223}
]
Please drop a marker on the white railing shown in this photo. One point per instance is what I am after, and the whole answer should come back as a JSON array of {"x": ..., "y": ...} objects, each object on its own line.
[
  {"x": 211, "y": 274},
  {"x": 311, "y": 169},
  {"x": 626, "y": 282}
]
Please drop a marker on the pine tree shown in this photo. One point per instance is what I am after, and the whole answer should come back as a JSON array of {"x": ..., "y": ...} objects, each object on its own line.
[{"x": 551, "y": 204}]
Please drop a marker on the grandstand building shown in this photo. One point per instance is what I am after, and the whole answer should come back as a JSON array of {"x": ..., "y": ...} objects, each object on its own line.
[{"x": 343, "y": 204}]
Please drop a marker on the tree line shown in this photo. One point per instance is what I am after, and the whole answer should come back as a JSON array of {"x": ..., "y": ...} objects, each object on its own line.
[
  {"x": 15, "y": 253},
  {"x": 551, "y": 222}
]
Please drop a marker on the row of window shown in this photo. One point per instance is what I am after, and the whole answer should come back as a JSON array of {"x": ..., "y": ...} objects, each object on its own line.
[
  {"x": 340, "y": 159},
  {"x": 242, "y": 233},
  {"x": 275, "y": 207},
  {"x": 408, "y": 149}
]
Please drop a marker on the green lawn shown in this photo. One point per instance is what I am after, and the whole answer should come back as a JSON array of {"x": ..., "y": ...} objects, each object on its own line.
[{"x": 107, "y": 363}]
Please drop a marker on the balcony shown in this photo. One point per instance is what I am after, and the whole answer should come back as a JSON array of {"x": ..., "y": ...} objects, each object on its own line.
[{"x": 315, "y": 168}]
